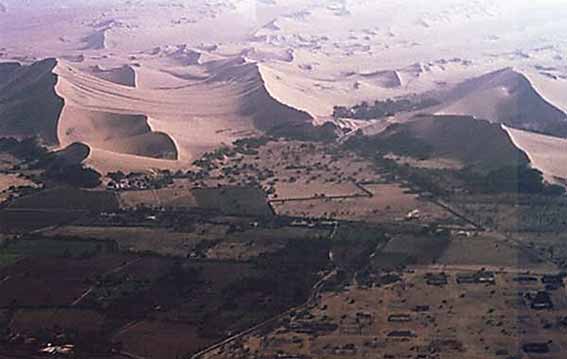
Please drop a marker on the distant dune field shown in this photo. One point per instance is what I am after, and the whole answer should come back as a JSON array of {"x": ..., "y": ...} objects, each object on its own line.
[{"x": 152, "y": 83}]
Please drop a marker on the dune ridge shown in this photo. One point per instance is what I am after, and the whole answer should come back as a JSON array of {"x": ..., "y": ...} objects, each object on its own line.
[
  {"x": 109, "y": 116},
  {"x": 96, "y": 40},
  {"x": 506, "y": 96},
  {"x": 125, "y": 75},
  {"x": 546, "y": 153},
  {"x": 29, "y": 104},
  {"x": 472, "y": 142},
  {"x": 385, "y": 79}
]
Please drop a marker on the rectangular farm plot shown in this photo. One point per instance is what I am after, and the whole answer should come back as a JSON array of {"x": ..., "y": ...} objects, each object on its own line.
[
  {"x": 156, "y": 339},
  {"x": 234, "y": 200},
  {"x": 178, "y": 195},
  {"x": 139, "y": 239},
  {"x": 316, "y": 189},
  {"x": 388, "y": 203},
  {"x": 50, "y": 281}
]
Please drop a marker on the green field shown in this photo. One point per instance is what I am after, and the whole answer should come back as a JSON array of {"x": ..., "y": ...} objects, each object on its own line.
[
  {"x": 13, "y": 249},
  {"x": 7, "y": 258}
]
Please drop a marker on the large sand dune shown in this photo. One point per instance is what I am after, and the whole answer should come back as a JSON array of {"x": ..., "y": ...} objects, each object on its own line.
[
  {"x": 124, "y": 75},
  {"x": 472, "y": 142},
  {"x": 95, "y": 41},
  {"x": 29, "y": 104},
  {"x": 546, "y": 153},
  {"x": 176, "y": 123},
  {"x": 506, "y": 96}
]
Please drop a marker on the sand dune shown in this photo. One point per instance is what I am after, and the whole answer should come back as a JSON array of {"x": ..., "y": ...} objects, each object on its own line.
[
  {"x": 506, "y": 96},
  {"x": 385, "y": 79},
  {"x": 6, "y": 69},
  {"x": 96, "y": 40},
  {"x": 182, "y": 55},
  {"x": 176, "y": 123},
  {"x": 129, "y": 134},
  {"x": 472, "y": 142},
  {"x": 414, "y": 71},
  {"x": 75, "y": 153},
  {"x": 108, "y": 161},
  {"x": 546, "y": 153},
  {"x": 124, "y": 75},
  {"x": 29, "y": 105},
  {"x": 284, "y": 55}
]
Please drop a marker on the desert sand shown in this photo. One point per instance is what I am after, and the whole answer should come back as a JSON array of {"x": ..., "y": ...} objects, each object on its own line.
[
  {"x": 155, "y": 84},
  {"x": 546, "y": 153}
]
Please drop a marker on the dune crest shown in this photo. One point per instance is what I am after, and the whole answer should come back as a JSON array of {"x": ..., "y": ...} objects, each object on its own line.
[
  {"x": 384, "y": 79},
  {"x": 506, "y": 96},
  {"x": 96, "y": 40},
  {"x": 29, "y": 105},
  {"x": 107, "y": 115},
  {"x": 547, "y": 154},
  {"x": 125, "y": 75},
  {"x": 75, "y": 153},
  {"x": 183, "y": 55}
]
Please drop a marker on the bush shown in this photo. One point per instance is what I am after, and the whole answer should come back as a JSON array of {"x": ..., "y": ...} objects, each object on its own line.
[{"x": 75, "y": 175}]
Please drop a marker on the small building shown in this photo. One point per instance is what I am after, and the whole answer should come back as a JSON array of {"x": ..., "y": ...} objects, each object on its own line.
[
  {"x": 536, "y": 348},
  {"x": 400, "y": 318},
  {"x": 542, "y": 300},
  {"x": 553, "y": 280},
  {"x": 436, "y": 279},
  {"x": 466, "y": 279},
  {"x": 525, "y": 279},
  {"x": 364, "y": 318},
  {"x": 413, "y": 215},
  {"x": 402, "y": 334},
  {"x": 422, "y": 308},
  {"x": 485, "y": 277},
  {"x": 482, "y": 277}
]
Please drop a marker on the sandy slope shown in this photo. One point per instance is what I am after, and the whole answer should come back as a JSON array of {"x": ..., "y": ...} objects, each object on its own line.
[
  {"x": 29, "y": 103},
  {"x": 173, "y": 123},
  {"x": 475, "y": 143},
  {"x": 546, "y": 153},
  {"x": 124, "y": 75},
  {"x": 506, "y": 96}
]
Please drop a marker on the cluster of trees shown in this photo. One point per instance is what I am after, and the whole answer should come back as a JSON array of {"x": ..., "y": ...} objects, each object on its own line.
[
  {"x": 56, "y": 168},
  {"x": 516, "y": 178},
  {"x": 252, "y": 142},
  {"x": 76, "y": 175},
  {"x": 307, "y": 132},
  {"x": 400, "y": 143},
  {"x": 143, "y": 181},
  {"x": 512, "y": 179},
  {"x": 380, "y": 109},
  {"x": 28, "y": 149}
]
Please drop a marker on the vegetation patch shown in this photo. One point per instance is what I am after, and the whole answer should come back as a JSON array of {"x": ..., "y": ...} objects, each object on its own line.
[
  {"x": 380, "y": 109},
  {"x": 68, "y": 198}
]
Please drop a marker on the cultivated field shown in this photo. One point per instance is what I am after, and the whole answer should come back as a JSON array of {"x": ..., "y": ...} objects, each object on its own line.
[
  {"x": 387, "y": 203},
  {"x": 176, "y": 195},
  {"x": 139, "y": 239}
]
